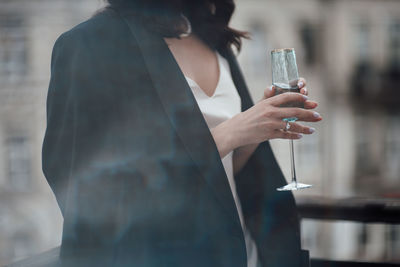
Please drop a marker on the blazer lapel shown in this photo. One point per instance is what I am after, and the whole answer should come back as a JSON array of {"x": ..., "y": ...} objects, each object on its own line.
[{"x": 182, "y": 109}]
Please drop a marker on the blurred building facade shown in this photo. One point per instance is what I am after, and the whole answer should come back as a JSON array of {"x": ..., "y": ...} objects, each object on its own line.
[
  {"x": 349, "y": 51},
  {"x": 30, "y": 221}
]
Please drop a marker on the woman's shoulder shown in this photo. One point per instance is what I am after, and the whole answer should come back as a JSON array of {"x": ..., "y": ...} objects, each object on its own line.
[{"x": 105, "y": 26}]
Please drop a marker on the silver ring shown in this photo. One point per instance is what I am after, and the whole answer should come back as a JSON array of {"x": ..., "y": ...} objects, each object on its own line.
[{"x": 287, "y": 127}]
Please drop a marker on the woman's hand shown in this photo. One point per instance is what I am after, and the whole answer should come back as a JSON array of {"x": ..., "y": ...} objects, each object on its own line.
[
  {"x": 270, "y": 91},
  {"x": 264, "y": 121}
]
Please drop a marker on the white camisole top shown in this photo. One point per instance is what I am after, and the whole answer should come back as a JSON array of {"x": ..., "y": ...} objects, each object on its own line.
[{"x": 223, "y": 105}]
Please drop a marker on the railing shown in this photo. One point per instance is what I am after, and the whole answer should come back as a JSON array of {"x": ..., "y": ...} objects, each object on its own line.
[{"x": 386, "y": 211}]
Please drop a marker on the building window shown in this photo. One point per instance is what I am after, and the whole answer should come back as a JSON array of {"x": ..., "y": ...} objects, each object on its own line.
[
  {"x": 309, "y": 158},
  {"x": 394, "y": 42},
  {"x": 365, "y": 80},
  {"x": 259, "y": 50},
  {"x": 19, "y": 169},
  {"x": 362, "y": 35},
  {"x": 367, "y": 166},
  {"x": 308, "y": 35},
  {"x": 393, "y": 239},
  {"x": 13, "y": 47},
  {"x": 389, "y": 95},
  {"x": 392, "y": 149}
]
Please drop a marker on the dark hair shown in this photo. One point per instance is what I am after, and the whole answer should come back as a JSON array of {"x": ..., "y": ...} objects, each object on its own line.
[{"x": 209, "y": 19}]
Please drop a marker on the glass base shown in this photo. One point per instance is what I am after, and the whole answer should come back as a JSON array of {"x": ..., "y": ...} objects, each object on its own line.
[{"x": 293, "y": 186}]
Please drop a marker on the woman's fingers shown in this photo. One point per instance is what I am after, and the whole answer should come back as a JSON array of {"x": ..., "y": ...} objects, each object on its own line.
[
  {"x": 304, "y": 91},
  {"x": 291, "y": 98},
  {"x": 301, "y": 83},
  {"x": 299, "y": 113},
  {"x": 296, "y": 128},
  {"x": 310, "y": 104},
  {"x": 286, "y": 135},
  {"x": 287, "y": 98},
  {"x": 269, "y": 92}
]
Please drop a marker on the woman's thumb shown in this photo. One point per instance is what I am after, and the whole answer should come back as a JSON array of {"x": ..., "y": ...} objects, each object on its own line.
[{"x": 269, "y": 92}]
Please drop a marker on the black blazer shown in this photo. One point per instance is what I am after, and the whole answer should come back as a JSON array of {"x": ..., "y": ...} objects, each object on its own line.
[{"x": 133, "y": 165}]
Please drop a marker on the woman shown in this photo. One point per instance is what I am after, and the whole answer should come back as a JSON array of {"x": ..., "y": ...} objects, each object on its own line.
[{"x": 154, "y": 150}]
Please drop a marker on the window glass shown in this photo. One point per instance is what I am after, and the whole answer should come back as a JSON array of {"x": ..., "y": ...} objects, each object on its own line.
[
  {"x": 13, "y": 47},
  {"x": 19, "y": 170}
]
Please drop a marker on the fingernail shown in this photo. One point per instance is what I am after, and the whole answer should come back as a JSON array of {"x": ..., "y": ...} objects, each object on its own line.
[
  {"x": 316, "y": 115},
  {"x": 270, "y": 88},
  {"x": 312, "y": 130},
  {"x": 305, "y": 97},
  {"x": 300, "y": 84},
  {"x": 299, "y": 136}
]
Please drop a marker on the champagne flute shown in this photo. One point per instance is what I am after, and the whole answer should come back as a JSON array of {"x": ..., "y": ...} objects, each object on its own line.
[{"x": 285, "y": 77}]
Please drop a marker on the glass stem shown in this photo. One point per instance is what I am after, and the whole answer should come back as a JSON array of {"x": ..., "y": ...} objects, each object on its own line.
[{"x": 293, "y": 168}]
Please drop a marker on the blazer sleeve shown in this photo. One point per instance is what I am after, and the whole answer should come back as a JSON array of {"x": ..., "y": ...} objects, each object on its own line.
[
  {"x": 92, "y": 156},
  {"x": 84, "y": 128},
  {"x": 86, "y": 135},
  {"x": 90, "y": 147},
  {"x": 59, "y": 141}
]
